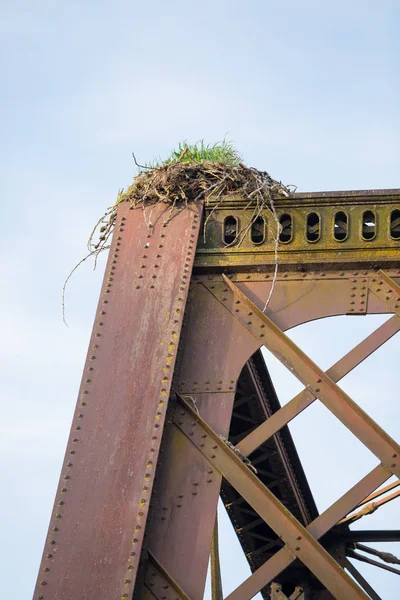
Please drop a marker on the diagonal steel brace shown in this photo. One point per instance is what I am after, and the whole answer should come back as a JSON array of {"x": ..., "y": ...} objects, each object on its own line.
[
  {"x": 300, "y": 542},
  {"x": 314, "y": 378},
  {"x": 305, "y": 398}
]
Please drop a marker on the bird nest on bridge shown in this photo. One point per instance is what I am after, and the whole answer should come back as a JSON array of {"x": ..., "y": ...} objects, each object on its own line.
[
  {"x": 179, "y": 184},
  {"x": 192, "y": 173}
]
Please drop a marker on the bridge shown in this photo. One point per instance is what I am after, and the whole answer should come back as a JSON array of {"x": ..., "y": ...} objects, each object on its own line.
[{"x": 177, "y": 407}]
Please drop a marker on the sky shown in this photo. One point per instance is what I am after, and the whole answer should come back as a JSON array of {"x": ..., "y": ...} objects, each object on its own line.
[{"x": 307, "y": 90}]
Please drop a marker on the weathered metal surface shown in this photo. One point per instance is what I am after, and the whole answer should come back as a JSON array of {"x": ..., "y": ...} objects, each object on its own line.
[
  {"x": 387, "y": 291},
  {"x": 341, "y": 368},
  {"x": 100, "y": 511},
  {"x": 298, "y": 540},
  {"x": 159, "y": 583},
  {"x": 185, "y": 496},
  {"x": 353, "y": 250}
]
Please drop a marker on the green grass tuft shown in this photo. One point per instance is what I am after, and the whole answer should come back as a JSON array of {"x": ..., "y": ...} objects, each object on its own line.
[{"x": 221, "y": 152}]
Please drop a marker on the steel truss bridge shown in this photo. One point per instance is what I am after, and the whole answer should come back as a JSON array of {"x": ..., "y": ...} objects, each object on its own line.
[{"x": 177, "y": 408}]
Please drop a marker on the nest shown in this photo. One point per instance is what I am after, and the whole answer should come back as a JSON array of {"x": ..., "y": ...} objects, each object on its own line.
[{"x": 179, "y": 184}]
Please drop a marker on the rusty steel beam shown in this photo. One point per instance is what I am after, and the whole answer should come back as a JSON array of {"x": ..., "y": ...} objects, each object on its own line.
[
  {"x": 341, "y": 368},
  {"x": 99, "y": 516},
  {"x": 314, "y": 378},
  {"x": 299, "y": 541}
]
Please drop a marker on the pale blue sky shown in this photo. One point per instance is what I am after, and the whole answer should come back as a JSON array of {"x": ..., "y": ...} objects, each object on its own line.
[{"x": 308, "y": 90}]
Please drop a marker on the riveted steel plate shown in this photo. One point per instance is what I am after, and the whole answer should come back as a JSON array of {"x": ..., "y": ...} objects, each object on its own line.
[{"x": 96, "y": 529}]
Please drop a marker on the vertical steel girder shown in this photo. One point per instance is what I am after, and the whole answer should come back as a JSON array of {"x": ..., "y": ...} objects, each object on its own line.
[{"x": 96, "y": 531}]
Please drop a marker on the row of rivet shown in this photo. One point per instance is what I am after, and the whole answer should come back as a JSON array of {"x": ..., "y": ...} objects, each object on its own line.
[
  {"x": 159, "y": 585},
  {"x": 162, "y": 405},
  {"x": 206, "y": 387},
  {"x": 209, "y": 448},
  {"x": 291, "y": 275},
  {"x": 82, "y": 404},
  {"x": 153, "y": 277},
  {"x": 358, "y": 296},
  {"x": 388, "y": 295}
]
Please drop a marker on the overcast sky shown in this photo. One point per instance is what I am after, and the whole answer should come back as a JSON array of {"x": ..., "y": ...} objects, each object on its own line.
[{"x": 308, "y": 91}]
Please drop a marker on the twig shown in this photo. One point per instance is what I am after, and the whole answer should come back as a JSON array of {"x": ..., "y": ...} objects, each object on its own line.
[{"x": 137, "y": 164}]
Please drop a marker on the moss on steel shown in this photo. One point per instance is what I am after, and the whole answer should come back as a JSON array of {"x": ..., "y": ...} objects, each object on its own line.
[{"x": 326, "y": 252}]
